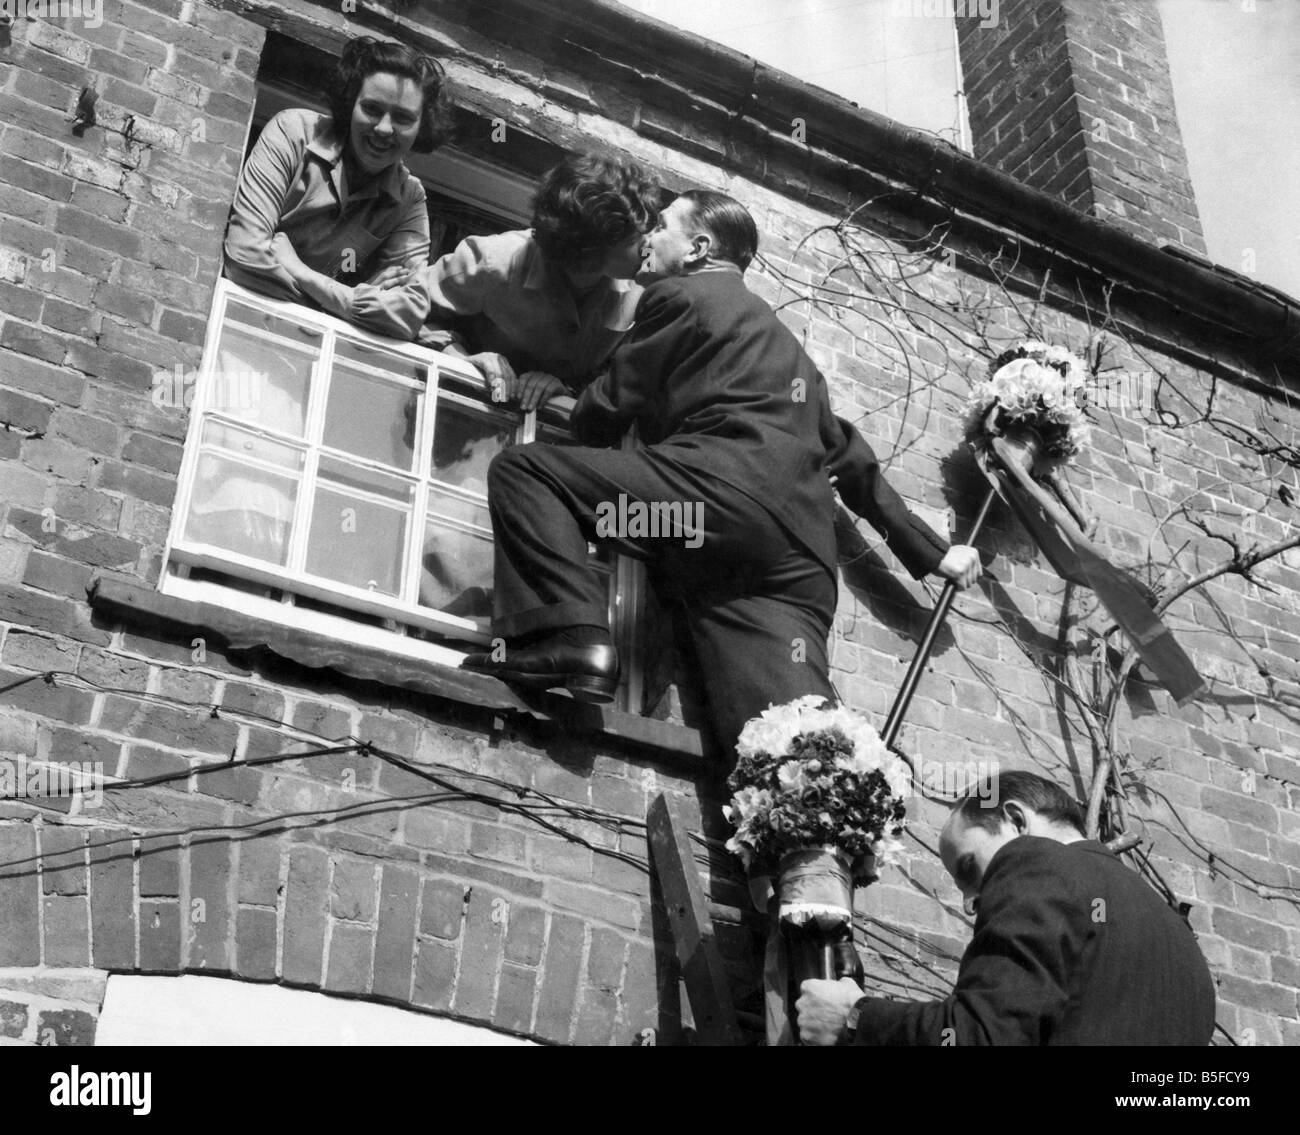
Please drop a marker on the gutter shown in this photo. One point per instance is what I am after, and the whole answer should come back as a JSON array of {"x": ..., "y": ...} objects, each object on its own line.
[{"x": 915, "y": 157}]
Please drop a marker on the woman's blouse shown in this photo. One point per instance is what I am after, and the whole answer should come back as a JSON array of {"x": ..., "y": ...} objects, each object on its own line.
[{"x": 295, "y": 182}]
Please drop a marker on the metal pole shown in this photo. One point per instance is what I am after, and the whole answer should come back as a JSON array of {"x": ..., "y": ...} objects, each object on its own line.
[{"x": 895, "y": 720}]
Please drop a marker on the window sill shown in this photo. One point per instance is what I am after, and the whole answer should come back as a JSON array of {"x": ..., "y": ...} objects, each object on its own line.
[{"x": 141, "y": 606}]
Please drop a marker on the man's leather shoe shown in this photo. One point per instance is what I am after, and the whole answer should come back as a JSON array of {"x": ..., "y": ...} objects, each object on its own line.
[{"x": 589, "y": 673}]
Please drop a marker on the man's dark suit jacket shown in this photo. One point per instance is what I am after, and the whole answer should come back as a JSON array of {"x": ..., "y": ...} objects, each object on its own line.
[
  {"x": 1070, "y": 947},
  {"x": 716, "y": 382}
]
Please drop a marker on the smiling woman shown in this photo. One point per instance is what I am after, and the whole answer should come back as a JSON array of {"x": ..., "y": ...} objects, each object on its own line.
[{"x": 324, "y": 202}]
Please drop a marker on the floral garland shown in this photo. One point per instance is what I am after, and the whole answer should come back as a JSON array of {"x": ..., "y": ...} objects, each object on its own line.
[
  {"x": 1033, "y": 386},
  {"x": 811, "y": 774}
]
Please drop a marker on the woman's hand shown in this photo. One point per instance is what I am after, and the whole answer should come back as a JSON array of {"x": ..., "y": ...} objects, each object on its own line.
[
  {"x": 536, "y": 387},
  {"x": 498, "y": 375}
]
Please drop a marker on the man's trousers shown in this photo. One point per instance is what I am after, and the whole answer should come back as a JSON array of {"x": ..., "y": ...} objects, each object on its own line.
[{"x": 757, "y": 604}]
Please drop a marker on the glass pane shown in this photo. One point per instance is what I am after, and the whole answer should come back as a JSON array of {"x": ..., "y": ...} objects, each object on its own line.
[
  {"x": 456, "y": 571},
  {"x": 371, "y": 417},
  {"x": 378, "y": 358},
  {"x": 446, "y": 506},
  {"x": 250, "y": 446},
  {"x": 464, "y": 442},
  {"x": 344, "y": 475},
  {"x": 356, "y": 541},
  {"x": 237, "y": 312},
  {"x": 242, "y": 508},
  {"x": 261, "y": 381}
]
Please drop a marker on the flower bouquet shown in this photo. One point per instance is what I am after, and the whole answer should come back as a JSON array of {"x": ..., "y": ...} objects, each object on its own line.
[
  {"x": 1032, "y": 398},
  {"x": 818, "y": 799}
]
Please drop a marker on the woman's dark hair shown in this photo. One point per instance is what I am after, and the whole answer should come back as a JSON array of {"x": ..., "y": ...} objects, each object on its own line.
[
  {"x": 984, "y": 808},
  {"x": 587, "y": 205},
  {"x": 735, "y": 236},
  {"x": 366, "y": 56}
]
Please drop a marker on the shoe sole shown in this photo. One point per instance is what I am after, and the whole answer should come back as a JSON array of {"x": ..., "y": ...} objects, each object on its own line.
[{"x": 589, "y": 688}]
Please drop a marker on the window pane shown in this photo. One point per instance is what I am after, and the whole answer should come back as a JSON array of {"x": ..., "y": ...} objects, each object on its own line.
[
  {"x": 261, "y": 381},
  {"x": 242, "y": 506},
  {"x": 385, "y": 361},
  {"x": 464, "y": 443},
  {"x": 355, "y": 539},
  {"x": 344, "y": 475},
  {"x": 371, "y": 417},
  {"x": 448, "y": 506},
  {"x": 456, "y": 571}
]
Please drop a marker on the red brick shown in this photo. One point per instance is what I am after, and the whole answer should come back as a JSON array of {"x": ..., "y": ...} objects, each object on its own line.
[
  {"x": 560, "y": 979},
  {"x": 605, "y": 959},
  {"x": 112, "y": 902},
  {"x": 160, "y": 868},
  {"x": 24, "y": 413},
  {"x": 442, "y": 908},
  {"x": 186, "y": 730},
  {"x": 525, "y": 934},
  {"x": 20, "y": 941},
  {"x": 72, "y": 1028},
  {"x": 594, "y": 1024},
  {"x": 35, "y": 179},
  {"x": 304, "y": 918},
  {"x": 324, "y": 720},
  {"x": 1247, "y": 931},
  {"x": 46, "y": 699},
  {"x": 63, "y": 855},
  {"x": 515, "y": 993},
  {"x": 395, "y": 937},
  {"x": 159, "y": 453},
  {"x": 351, "y": 950},
  {"x": 143, "y": 762},
  {"x": 86, "y": 431},
  {"x": 35, "y": 377},
  {"x": 160, "y": 937},
  {"x": 255, "y": 935},
  {"x": 435, "y": 976},
  {"x": 259, "y": 871},
  {"x": 353, "y": 890},
  {"x": 67, "y": 931},
  {"x": 210, "y": 881},
  {"x": 53, "y": 573},
  {"x": 240, "y": 784},
  {"x": 480, "y": 955}
]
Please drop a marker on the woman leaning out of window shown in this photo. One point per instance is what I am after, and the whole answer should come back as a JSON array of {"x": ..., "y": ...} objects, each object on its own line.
[{"x": 324, "y": 202}]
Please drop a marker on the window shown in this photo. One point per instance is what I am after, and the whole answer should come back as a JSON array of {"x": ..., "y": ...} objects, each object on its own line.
[{"x": 337, "y": 481}]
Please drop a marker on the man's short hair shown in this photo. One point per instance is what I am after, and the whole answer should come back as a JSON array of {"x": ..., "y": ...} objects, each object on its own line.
[
  {"x": 589, "y": 204},
  {"x": 1047, "y": 799},
  {"x": 735, "y": 236}
]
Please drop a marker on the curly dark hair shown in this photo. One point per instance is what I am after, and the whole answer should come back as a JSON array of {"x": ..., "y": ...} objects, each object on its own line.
[
  {"x": 589, "y": 204},
  {"x": 366, "y": 56}
]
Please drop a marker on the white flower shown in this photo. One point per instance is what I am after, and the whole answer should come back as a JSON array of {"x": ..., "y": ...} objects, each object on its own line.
[{"x": 792, "y": 776}]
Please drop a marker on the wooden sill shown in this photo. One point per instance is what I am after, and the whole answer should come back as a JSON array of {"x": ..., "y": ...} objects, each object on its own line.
[{"x": 142, "y": 607}]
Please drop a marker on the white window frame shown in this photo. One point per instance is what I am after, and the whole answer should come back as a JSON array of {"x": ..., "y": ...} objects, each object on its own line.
[{"x": 182, "y": 555}]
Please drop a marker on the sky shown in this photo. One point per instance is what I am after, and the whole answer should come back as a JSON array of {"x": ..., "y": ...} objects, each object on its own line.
[{"x": 1236, "y": 70}]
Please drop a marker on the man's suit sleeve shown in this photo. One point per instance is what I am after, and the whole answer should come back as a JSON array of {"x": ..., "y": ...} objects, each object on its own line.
[
  {"x": 862, "y": 486},
  {"x": 1016, "y": 977},
  {"x": 661, "y": 333}
]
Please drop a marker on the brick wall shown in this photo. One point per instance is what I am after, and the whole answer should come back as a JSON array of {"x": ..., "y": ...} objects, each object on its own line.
[
  {"x": 464, "y": 906},
  {"x": 1075, "y": 98}
]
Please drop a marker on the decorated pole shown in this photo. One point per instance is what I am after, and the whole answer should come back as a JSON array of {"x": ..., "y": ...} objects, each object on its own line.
[{"x": 894, "y": 722}]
